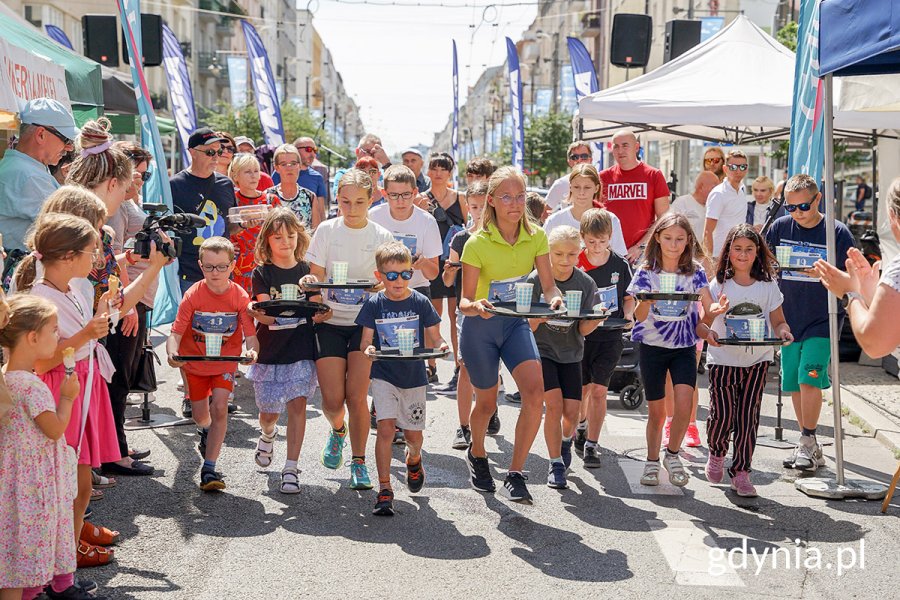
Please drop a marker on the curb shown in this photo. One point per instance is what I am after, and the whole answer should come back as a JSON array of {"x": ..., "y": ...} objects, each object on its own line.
[{"x": 880, "y": 425}]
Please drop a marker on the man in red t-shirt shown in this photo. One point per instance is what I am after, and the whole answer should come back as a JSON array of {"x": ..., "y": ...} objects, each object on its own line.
[{"x": 637, "y": 193}]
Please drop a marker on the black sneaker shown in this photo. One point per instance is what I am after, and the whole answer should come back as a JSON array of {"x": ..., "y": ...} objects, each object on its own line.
[
  {"x": 580, "y": 439},
  {"x": 449, "y": 388},
  {"x": 462, "y": 439},
  {"x": 232, "y": 408},
  {"x": 186, "y": 410},
  {"x": 566, "y": 453},
  {"x": 87, "y": 585},
  {"x": 73, "y": 592},
  {"x": 201, "y": 447},
  {"x": 494, "y": 424},
  {"x": 431, "y": 373},
  {"x": 515, "y": 489},
  {"x": 415, "y": 477},
  {"x": 514, "y": 398},
  {"x": 211, "y": 481},
  {"x": 384, "y": 504},
  {"x": 591, "y": 457},
  {"x": 480, "y": 473}
]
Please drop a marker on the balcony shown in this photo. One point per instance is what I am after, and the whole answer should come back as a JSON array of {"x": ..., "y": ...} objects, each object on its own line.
[
  {"x": 205, "y": 60},
  {"x": 592, "y": 23}
]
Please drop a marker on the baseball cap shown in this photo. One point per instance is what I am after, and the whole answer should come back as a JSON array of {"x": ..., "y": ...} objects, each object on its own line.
[
  {"x": 203, "y": 136},
  {"x": 243, "y": 139},
  {"x": 48, "y": 112},
  {"x": 412, "y": 151}
]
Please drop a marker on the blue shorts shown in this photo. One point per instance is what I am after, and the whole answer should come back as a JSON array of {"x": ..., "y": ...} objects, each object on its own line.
[{"x": 484, "y": 342}]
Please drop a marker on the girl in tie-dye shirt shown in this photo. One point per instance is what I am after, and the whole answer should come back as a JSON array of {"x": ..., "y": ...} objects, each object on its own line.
[{"x": 667, "y": 334}]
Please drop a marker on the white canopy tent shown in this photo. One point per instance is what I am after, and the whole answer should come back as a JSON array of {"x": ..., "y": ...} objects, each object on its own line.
[{"x": 736, "y": 87}]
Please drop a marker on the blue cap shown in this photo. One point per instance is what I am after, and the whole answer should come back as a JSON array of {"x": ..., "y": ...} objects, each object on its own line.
[{"x": 48, "y": 112}]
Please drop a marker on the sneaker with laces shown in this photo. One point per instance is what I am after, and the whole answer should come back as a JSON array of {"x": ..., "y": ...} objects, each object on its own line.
[
  {"x": 580, "y": 438},
  {"x": 449, "y": 388},
  {"x": 359, "y": 475},
  {"x": 384, "y": 504},
  {"x": 806, "y": 448},
  {"x": 740, "y": 483},
  {"x": 788, "y": 462},
  {"x": 515, "y": 489},
  {"x": 480, "y": 473},
  {"x": 818, "y": 455},
  {"x": 566, "y": 453},
  {"x": 514, "y": 398},
  {"x": 715, "y": 469},
  {"x": 462, "y": 439},
  {"x": 187, "y": 411},
  {"x": 493, "y": 427},
  {"x": 333, "y": 452},
  {"x": 666, "y": 431},
  {"x": 678, "y": 476},
  {"x": 692, "y": 436},
  {"x": 556, "y": 478},
  {"x": 591, "y": 457},
  {"x": 73, "y": 592},
  {"x": 211, "y": 481},
  {"x": 415, "y": 476}
]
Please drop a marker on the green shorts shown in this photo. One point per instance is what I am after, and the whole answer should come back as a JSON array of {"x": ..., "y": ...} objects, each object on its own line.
[{"x": 806, "y": 362}]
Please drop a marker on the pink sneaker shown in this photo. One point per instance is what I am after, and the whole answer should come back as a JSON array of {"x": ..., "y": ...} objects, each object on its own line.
[
  {"x": 715, "y": 469},
  {"x": 666, "y": 430},
  {"x": 692, "y": 437},
  {"x": 740, "y": 483}
]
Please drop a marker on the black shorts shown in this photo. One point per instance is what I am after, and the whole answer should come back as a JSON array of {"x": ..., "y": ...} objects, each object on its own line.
[
  {"x": 562, "y": 376},
  {"x": 425, "y": 291},
  {"x": 438, "y": 289},
  {"x": 600, "y": 360},
  {"x": 680, "y": 363},
  {"x": 337, "y": 341}
]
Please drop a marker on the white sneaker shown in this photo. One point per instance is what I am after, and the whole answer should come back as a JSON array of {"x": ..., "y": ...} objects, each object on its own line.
[
  {"x": 806, "y": 448},
  {"x": 677, "y": 475},
  {"x": 819, "y": 456}
]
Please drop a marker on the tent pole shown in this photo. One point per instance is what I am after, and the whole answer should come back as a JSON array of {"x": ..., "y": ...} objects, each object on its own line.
[
  {"x": 875, "y": 180},
  {"x": 833, "y": 332}
]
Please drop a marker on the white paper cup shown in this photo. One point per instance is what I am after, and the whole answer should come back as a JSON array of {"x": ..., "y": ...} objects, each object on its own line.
[
  {"x": 757, "y": 329},
  {"x": 667, "y": 282},
  {"x": 406, "y": 341},
  {"x": 783, "y": 255},
  {"x": 524, "y": 291},
  {"x": 339, "y": 271},
  {"x": 213, "y": 344},
  {"x": 573, "y": 302},
  {"x": 290, "y": 291}
]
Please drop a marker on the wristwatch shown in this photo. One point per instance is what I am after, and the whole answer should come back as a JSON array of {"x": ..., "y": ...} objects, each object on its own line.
[{"x": 850, "y": 297}]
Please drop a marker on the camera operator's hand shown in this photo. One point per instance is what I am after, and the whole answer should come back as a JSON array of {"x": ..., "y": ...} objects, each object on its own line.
[{"x": 157, "y": 258}]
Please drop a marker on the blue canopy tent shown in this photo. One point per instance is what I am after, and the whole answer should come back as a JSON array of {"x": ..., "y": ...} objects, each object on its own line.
[{"x": 856, "y": 37}]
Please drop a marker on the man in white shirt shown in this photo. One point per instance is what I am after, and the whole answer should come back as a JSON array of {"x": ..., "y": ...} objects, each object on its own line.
[
  {"x": 557, "y": 195},
  {"x": 693, "y": 205},
  {"x": 727, "y": 204},
  {"x": 409, "y": 224}
]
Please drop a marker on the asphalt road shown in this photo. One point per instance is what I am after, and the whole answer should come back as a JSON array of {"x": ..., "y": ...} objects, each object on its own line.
[{"x": 603, "y": 537}]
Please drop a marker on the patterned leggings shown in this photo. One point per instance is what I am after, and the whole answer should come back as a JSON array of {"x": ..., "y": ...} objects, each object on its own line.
[{"x": 735, "y": 397}]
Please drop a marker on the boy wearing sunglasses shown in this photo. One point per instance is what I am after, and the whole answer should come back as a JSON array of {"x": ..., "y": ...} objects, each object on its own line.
[
  {"x": 214, "y": 305},
  {"x": 726, "y": 205},
  {"x": 398, "y": 387},
  {"x": 805, "y": 362}
]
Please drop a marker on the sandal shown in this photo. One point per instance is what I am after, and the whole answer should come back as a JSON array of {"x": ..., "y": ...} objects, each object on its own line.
[
  {"x": 290, "y": 484},
  {"x": 98, "y": 536},
  {"x": 102, "y": 482},
  {"x": 651, "y": 473},
  {"x": 96, "y": 495},
  {"x": 265, "y": 447},
  {"x": 92, "y": 556}
]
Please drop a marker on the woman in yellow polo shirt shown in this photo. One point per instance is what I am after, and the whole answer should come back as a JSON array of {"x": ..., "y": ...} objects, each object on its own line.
[{"x": 504, "y": 251}]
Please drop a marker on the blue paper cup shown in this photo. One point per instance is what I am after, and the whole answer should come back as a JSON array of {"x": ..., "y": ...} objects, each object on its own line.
[
  {"x": 524, "y": 292},
  {"x": 213, "y": 344},
  {"x": 406, "y": 341}
]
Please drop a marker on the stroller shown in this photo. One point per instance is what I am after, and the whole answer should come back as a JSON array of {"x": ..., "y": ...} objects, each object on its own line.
[{"x": 626, "y": 379}]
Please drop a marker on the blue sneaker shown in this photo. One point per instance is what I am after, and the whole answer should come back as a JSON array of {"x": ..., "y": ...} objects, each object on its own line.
[
  {"x": 359, "y": 475},
  {"x": 556, "y": 478},
  {"x": 333, "y": 453},
  {"x": 566, "y": 453}
]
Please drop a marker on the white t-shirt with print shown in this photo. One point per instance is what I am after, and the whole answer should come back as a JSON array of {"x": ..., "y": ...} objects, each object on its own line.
[
  {"x": 729, "y": 207},
  {"x": 564, "y": 217},
  {"x": 419, "y": 232},
  {"x": 334, "y": 241},
  {"x": 752, "y": 301},
  {"x": 694, "y": 212}
]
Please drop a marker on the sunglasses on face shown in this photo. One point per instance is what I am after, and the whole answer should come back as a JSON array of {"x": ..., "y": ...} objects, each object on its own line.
[
  {"x": 579, "y": 157},
  {"x": 210, "y": 153},
  {"x": 211, "y": 268},
  {"x": 734, "y": 167},
  {"x": 710, "y": 161},
  {"x": 228, "y": 149},
  {"x": 393, "y": 275},
  {"x": 308, "y": 149},
  {"x": 507, "y": 199},
  {"x": 58, "y": 135},
  {"x": 803, "y": 207},
  {"x": 145, "y": 176},
  {"x": 396, "y": 196}
]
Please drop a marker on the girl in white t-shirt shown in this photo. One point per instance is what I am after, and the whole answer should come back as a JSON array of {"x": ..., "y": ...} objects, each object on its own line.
[{"x": 744, "y": 289}]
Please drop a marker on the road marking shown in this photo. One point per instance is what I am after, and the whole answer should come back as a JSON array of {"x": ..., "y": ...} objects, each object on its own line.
[
  {"x": 633, "y": 469},
  {"x": 625, "y": 424},
  {"x": 692, "y": 554}
]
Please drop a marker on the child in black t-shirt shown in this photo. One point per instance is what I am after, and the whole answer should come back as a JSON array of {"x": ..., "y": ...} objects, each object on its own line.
[
  {"x": 398, "y": 387},
  {"x": 602, "y": 348},
  {"x": 285, "y": 374}
]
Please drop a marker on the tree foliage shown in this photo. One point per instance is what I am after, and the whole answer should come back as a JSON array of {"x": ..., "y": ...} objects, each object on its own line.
[
  {"x": 546, "y": 140},
  {"x": 787, "y": 35}
]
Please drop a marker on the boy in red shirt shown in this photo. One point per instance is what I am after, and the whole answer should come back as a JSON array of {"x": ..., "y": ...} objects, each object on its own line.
[{"x": 213, "y": 305}]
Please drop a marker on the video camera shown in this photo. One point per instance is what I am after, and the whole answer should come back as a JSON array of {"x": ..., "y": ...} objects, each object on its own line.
[{"x": 158, "y": 220}]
